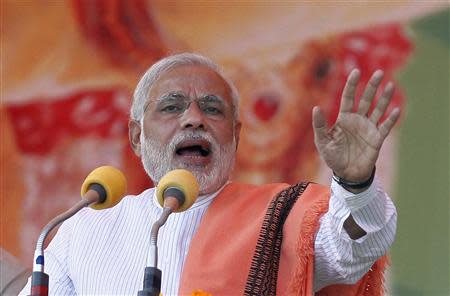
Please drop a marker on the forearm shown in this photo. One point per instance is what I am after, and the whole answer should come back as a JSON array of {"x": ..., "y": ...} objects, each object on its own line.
[{"x": 338, "y": 257}]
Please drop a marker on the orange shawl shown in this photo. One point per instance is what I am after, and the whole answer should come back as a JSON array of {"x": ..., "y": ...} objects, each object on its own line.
[{"x": 220, "y": 255}]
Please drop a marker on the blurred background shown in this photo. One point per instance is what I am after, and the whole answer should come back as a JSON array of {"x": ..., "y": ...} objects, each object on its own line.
[{"x": 68, "y": 70}]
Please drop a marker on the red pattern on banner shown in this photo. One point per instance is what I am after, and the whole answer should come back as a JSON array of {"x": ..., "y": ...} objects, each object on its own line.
[
  {"x": 385, "y": 47},
  {"x": 42, "y": 124}
]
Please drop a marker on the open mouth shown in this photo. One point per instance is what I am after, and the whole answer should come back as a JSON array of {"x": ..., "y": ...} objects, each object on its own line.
[{"x": 194, "y": 148}]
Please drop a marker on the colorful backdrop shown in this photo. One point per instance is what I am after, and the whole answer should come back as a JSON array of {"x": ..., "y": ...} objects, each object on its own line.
[{"x": 69, "y": 68}]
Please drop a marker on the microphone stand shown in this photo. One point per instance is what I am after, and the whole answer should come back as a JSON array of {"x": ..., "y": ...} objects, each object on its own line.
[
  {"x": 173, "y": 200},
  {"x": 39, "y": 279},
  {"x": 152, "y": 275}
]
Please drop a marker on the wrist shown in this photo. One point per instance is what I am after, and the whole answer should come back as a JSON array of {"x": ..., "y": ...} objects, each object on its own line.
[{"x": 354, "y": 187}]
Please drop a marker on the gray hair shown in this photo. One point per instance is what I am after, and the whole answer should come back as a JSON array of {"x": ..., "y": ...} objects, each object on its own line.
[{"x": 150, "y": 77}]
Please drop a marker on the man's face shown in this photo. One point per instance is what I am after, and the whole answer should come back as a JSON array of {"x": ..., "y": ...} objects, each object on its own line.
[{"x": 201, "y": 136}]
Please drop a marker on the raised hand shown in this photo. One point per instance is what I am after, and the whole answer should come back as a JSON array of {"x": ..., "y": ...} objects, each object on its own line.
[{"x": 351, "y": 147}]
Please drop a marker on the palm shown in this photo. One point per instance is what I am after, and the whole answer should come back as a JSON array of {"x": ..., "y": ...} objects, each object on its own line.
[
  {"x": 351, "y": 147},
  {"x": 355, "y": 140}
]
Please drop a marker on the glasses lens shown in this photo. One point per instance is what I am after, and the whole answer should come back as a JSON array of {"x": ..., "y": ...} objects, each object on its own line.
[
  {"x": 212, "y": 105},
  {"x": 172, "y": 103}
]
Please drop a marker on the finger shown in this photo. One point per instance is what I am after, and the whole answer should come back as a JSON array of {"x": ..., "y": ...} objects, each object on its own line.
[
  {"x": 369, "y": 92},
  {"x": 387, "y": 125},
  {"x": 348, "y": 94},
  {"x": 320, "y": 125},
  {"x": 382, "y": 103}
]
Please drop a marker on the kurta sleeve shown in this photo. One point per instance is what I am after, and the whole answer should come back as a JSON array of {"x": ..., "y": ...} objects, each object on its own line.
[{"x": 338, "y": 258}]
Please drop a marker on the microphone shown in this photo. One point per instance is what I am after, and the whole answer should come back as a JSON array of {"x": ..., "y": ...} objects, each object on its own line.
[
  {"x": 179, "y": 185},
  {"x": 103, "y": 188},
  {"x": 176, "y": 192}
]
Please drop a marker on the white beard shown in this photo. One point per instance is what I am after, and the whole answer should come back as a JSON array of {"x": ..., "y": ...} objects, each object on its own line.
[{"x": 157, "y": 160}]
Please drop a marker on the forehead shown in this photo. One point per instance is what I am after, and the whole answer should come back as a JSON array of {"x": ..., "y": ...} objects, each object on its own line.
[{"x": 193, "y": 80}]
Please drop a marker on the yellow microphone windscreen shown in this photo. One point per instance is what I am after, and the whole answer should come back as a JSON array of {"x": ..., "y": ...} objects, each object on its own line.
[
  {"x": 112, "y": 180},
  {"x": 185, "y": 181}
]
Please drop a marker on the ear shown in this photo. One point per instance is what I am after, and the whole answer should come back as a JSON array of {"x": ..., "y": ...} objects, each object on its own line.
[
  {"x": 134, "y": 135},
  {"x": 237, "y": 132}
]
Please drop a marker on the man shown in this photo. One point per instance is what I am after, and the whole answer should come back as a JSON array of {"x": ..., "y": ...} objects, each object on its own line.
[{"x": 236, "y": 238}]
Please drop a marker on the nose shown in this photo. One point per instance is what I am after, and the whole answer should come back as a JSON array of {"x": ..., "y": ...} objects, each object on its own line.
[{"x": 193, "y": 117}]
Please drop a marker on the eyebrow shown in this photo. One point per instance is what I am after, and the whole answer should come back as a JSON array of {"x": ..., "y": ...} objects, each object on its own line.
[
  {"x": 176, "y": 94},
  {"x": 213, "y": 97},
  {"x": 171, "y": 95}
]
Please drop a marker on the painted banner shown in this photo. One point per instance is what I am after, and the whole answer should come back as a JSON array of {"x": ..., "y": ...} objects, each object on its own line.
[{"x": 69, "y": 69}]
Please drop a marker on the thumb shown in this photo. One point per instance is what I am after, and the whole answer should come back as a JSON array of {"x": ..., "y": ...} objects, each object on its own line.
[{"x": 320, "y": 125}]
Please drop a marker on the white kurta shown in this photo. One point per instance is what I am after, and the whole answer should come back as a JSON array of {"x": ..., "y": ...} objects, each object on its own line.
[{"x": 104, "y": 252}]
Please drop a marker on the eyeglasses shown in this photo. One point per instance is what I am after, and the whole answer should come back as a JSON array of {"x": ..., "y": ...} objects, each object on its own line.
[{"x": 175, "y": 104}]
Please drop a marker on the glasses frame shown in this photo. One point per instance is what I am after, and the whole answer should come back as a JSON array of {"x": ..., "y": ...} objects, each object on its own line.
[{"x": 187, "y": 104}]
